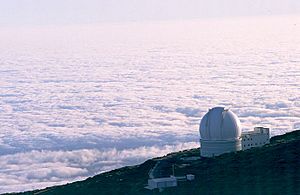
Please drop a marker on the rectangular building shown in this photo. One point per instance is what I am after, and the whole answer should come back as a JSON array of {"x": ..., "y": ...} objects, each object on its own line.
[
  {"x": 256, "y": 138},
  {"x": 165, "y": 182}
]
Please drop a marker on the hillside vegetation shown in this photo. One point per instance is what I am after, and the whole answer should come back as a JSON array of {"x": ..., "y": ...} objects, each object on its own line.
[{"x": 272, "y": 169}]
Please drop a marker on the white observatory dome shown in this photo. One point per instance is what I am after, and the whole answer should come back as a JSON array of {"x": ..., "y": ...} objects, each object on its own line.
[
  {"x": 220, "y": 124},
  {"x": 220, "y": 132}
]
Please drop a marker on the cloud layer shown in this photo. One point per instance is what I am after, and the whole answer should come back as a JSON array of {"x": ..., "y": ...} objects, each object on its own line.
[
  {"x": 76, "y": 101},
  {"x": 37, "y": 169}
]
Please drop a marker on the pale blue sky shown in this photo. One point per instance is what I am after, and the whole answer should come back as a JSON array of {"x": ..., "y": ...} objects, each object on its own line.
[{"x": 32, "y": 12}]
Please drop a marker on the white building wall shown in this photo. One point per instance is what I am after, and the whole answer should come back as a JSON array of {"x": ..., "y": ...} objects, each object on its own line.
[
  {"x": 257, "y": 138},
  {"x": 162, "y": 182},
  {"x": 210, "y": 148}
]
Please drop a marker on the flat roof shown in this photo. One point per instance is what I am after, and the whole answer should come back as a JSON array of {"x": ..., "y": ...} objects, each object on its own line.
[{"x": 164, "y": 179}]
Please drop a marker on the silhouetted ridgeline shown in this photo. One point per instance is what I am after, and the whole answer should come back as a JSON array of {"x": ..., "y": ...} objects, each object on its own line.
[{"x": 272, "y": 169}]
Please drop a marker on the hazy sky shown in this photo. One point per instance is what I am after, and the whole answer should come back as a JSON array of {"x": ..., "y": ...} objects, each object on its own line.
[{"x": 32, "y": 12}]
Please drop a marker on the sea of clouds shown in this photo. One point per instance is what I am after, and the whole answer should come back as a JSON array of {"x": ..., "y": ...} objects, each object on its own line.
[{"x": 76, "y": 101}]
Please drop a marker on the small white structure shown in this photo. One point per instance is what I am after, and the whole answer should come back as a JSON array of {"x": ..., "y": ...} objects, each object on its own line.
[
  {"x": 166, "y": 182},
  {"x": 220, "y": 132},
  {"x": 256, "y": 138},
  {"x": 160, "y": 183},
  {"x": 190, "y": 177}
]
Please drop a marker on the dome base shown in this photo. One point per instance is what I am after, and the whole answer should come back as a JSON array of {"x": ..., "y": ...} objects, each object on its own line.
[{"x": 210, "y": 148}]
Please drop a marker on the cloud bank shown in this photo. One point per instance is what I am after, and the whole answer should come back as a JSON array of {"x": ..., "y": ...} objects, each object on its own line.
[
  {"x": 38, "y": 169},
  {"x": 76, "y": 101}
]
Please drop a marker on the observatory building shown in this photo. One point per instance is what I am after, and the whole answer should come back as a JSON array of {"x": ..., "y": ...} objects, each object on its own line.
[{"x": 221, "y": 132}]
